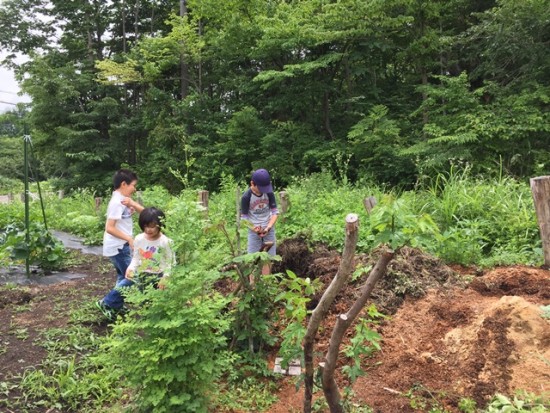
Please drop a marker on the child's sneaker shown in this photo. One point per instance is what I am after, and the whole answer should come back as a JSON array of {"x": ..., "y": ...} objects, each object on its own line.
[{"x": 105, "y": 310}]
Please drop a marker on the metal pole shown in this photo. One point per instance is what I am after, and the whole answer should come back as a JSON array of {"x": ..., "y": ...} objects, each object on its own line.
[{"x": 26, "y": 140}]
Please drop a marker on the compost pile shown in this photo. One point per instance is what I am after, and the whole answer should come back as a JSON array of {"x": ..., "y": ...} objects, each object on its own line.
[{"x": 453, "y": 332}]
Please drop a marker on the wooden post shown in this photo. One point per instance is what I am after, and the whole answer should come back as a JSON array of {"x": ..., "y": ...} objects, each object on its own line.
[
  {"x": 347, "y": 265},
  {"x": 285, "y": 202},
  {"x": 369, "y": 203},
  {"x": 139, "y": 197},
  {"x": 203, "y": 200},
  {"x": 330, "y": 388},
  {"x": 540, "y": 189},
  {"x": 98, "y": 201}
]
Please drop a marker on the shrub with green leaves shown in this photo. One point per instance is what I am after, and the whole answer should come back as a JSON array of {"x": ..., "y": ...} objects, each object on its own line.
[
  {"x": 170, "y": 347},
  {"x": 43, "y": 249}
]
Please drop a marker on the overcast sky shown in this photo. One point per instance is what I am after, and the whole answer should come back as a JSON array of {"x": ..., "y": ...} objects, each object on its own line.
[{"x": 8, "y": 89}]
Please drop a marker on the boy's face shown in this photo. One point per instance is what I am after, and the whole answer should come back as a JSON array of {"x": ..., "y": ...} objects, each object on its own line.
[
  {"x": 128, "y": 189},
  {"x": 254, "y": 188}
]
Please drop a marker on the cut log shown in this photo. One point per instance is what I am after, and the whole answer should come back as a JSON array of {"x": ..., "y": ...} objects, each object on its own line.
[{"x": 540, "y": 189}]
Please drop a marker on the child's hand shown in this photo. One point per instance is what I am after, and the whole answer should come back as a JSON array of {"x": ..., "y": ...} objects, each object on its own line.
[
  {"x": 162, "y": 283},
  {"x": 129, "y": 274},
  {"x": 127, "y": 201}
]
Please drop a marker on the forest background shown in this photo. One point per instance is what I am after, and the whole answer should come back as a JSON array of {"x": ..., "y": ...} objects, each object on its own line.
[{"x": 187, "y": 92}]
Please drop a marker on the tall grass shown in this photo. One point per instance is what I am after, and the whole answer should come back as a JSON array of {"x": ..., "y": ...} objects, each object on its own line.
[
  {"x": 487, "y": 222},
  {"x": 481, "y": 221}
]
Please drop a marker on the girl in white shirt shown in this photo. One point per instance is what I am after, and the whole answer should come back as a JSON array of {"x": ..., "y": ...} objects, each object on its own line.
[{"x": 153, "y": 257}]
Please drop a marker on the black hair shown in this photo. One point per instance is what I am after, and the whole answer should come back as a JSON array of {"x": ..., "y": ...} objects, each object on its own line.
[
  {"x": 149, "y": 216},
  {"x": 123, "y": 175}
]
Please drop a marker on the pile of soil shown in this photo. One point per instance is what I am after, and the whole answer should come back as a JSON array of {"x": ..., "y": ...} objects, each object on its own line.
[{"x": 452, "y": 334}]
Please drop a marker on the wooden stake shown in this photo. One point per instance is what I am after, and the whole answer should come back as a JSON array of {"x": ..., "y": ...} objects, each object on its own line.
[
  {"x": 369, "y": 203},
  {"x": 203, "y": 200},
  {"x": 343, "y": 274},
  {"x": 540, "y": 189},
  {"x": 285, "y": 202}
]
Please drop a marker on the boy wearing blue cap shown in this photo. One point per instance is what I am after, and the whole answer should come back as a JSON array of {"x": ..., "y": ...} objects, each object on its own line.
[{"x": 259, "y": 207}]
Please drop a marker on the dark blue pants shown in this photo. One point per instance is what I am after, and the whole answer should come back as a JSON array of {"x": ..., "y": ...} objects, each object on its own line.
[
  {"x": 115, "y": 299},
  {"x": 121, "y": 261}
]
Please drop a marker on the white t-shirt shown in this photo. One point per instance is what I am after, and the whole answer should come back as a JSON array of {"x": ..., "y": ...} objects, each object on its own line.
[
  {"x": 123, "y": 216},
  {"x": 154, "y": 257}
]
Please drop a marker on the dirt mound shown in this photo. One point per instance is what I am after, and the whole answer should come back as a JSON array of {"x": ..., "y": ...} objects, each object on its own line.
[
  {"x": 459, "y": 344},
  {"x": 453, "y": 333},
  {"x": 295, "y": 256},
  {"x": 514, "y": 281},
  {"x": 410, "y": 274}
]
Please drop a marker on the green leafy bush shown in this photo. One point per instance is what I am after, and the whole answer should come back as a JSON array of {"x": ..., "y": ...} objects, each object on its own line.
[
  {"x": 43, "y": 248},
  {"x": 170, "y": 347}
]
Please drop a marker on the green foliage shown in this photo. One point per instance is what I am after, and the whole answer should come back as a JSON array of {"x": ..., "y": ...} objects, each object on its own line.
[
  {"x": 520, "y": 403},
  {"x": 10, "y": 185},
  {"x": 394, "y": 224},
  {"x": 184, "y": 225},
  {"x": 175, "y": 340},
  {"x": 68, "y": 379},
  {"x": 467, "y": 405},
  {"x": 12, "y": 166},
  {"x": 319, "y": 205},
  {"x": 488, "y": 222},
  {"x": 42, "y": 249},
  {"x": 376, "y": 139},
  {"x": 78, "y": 215},
  {"x": 284, "y": 85},
  {"x": 295, "y": 295},
  {"x": 248, "y": 394},
  {"x": 425, "y": 400},
  {"x": 253, "y": 316},
  {"x": 363, "y": 344}
]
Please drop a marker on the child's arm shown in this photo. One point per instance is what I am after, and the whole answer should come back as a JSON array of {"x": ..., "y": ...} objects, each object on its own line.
[
  {"x": 131, "y": 270},
  {"x": 110, "y": 228},
  {"x": 130, "y": 203},
  {"x": 274, "y": 213}
]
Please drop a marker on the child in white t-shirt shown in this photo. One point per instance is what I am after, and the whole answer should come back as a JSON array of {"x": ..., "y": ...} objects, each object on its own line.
[
  {"x": 153, "y": 257},
  {"x": 151, "y": 263},
  {"x": 117, "y": 238}
]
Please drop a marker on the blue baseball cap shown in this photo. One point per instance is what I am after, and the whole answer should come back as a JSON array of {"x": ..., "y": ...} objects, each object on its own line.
[{"x": 262, "y": 180}]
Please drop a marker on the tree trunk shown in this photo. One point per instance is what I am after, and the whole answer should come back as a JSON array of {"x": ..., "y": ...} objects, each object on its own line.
[
  {"x": 342, "y": 275},
  {"x": 184, "y": 70},
  {"x": 540, "y": 189},
  {"x": 326, "y": 115},
  {"x": 330, "y": 388}
]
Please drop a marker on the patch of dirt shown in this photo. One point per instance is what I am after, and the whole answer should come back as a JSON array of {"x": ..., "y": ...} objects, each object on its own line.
[
  {"x": 14, "y": 297},
  {"x": 453, "y": 333},
  {"x": 27, "y": 312}
]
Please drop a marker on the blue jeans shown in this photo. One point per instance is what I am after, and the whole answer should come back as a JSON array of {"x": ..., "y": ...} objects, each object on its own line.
[
  {"x": 115, "y": 299},
  {"x": 255, "y": 242},
  {"x": 121, "y": 262}
]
